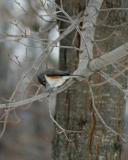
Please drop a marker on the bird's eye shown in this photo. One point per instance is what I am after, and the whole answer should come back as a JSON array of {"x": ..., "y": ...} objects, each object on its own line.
[{"x": 44, "y": 82}]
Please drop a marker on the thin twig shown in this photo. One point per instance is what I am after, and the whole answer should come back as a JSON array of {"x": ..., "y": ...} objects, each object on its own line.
[
  {"x": 100, "y": 117},
  {"x": 108, "y": 80}
]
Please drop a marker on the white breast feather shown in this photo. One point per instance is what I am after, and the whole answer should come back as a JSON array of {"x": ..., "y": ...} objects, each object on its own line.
[{"x": 56, "y": 82}]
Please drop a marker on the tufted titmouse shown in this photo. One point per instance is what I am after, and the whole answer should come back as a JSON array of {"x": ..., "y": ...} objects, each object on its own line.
[{"x": 55, "y": 78}]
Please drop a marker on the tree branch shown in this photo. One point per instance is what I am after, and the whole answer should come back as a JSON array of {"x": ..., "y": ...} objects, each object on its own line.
[
  {"x": 109, "y": 58},
  {"x": 88, "y": 31}
]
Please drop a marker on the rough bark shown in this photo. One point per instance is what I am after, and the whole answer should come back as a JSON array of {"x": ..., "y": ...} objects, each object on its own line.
[{"x": 72, "y": 105}]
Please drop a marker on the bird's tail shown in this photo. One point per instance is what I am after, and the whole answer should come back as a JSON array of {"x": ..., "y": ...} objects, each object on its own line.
[{"x": 74, "y": 75}]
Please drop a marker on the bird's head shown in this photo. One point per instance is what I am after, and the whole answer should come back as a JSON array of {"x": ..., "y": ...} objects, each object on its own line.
[{"x": 41, "y": 79}]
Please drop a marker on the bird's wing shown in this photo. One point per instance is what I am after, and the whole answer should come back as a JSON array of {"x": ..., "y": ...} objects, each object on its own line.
[{"x": 52, "y": 72}]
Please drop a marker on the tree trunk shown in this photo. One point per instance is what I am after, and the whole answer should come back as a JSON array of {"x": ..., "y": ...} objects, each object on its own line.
[{"x": 72, "y": 105}]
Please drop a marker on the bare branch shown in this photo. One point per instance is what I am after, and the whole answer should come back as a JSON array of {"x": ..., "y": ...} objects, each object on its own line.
[
  {"x": 109, "y": 58},
  {"x": 23, "y": 102},
  {"x": 88, "y": 32},
  {"x": 101, "y": 118}
]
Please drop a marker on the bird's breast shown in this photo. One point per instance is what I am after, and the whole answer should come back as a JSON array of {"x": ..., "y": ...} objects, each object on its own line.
[{"x": 55, "y": 81}]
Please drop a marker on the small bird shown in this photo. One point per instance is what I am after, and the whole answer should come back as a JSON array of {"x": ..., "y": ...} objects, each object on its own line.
[{"x": 54, "y": 78}]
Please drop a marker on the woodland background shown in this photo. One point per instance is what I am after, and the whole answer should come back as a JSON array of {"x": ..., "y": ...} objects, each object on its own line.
[{"x": 28, "y": 42}]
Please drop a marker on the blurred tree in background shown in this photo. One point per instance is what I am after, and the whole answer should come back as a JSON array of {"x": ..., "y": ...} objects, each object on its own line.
[
  {"x": 24, "y": 34},
  {"x": 38, "y": 34}
]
